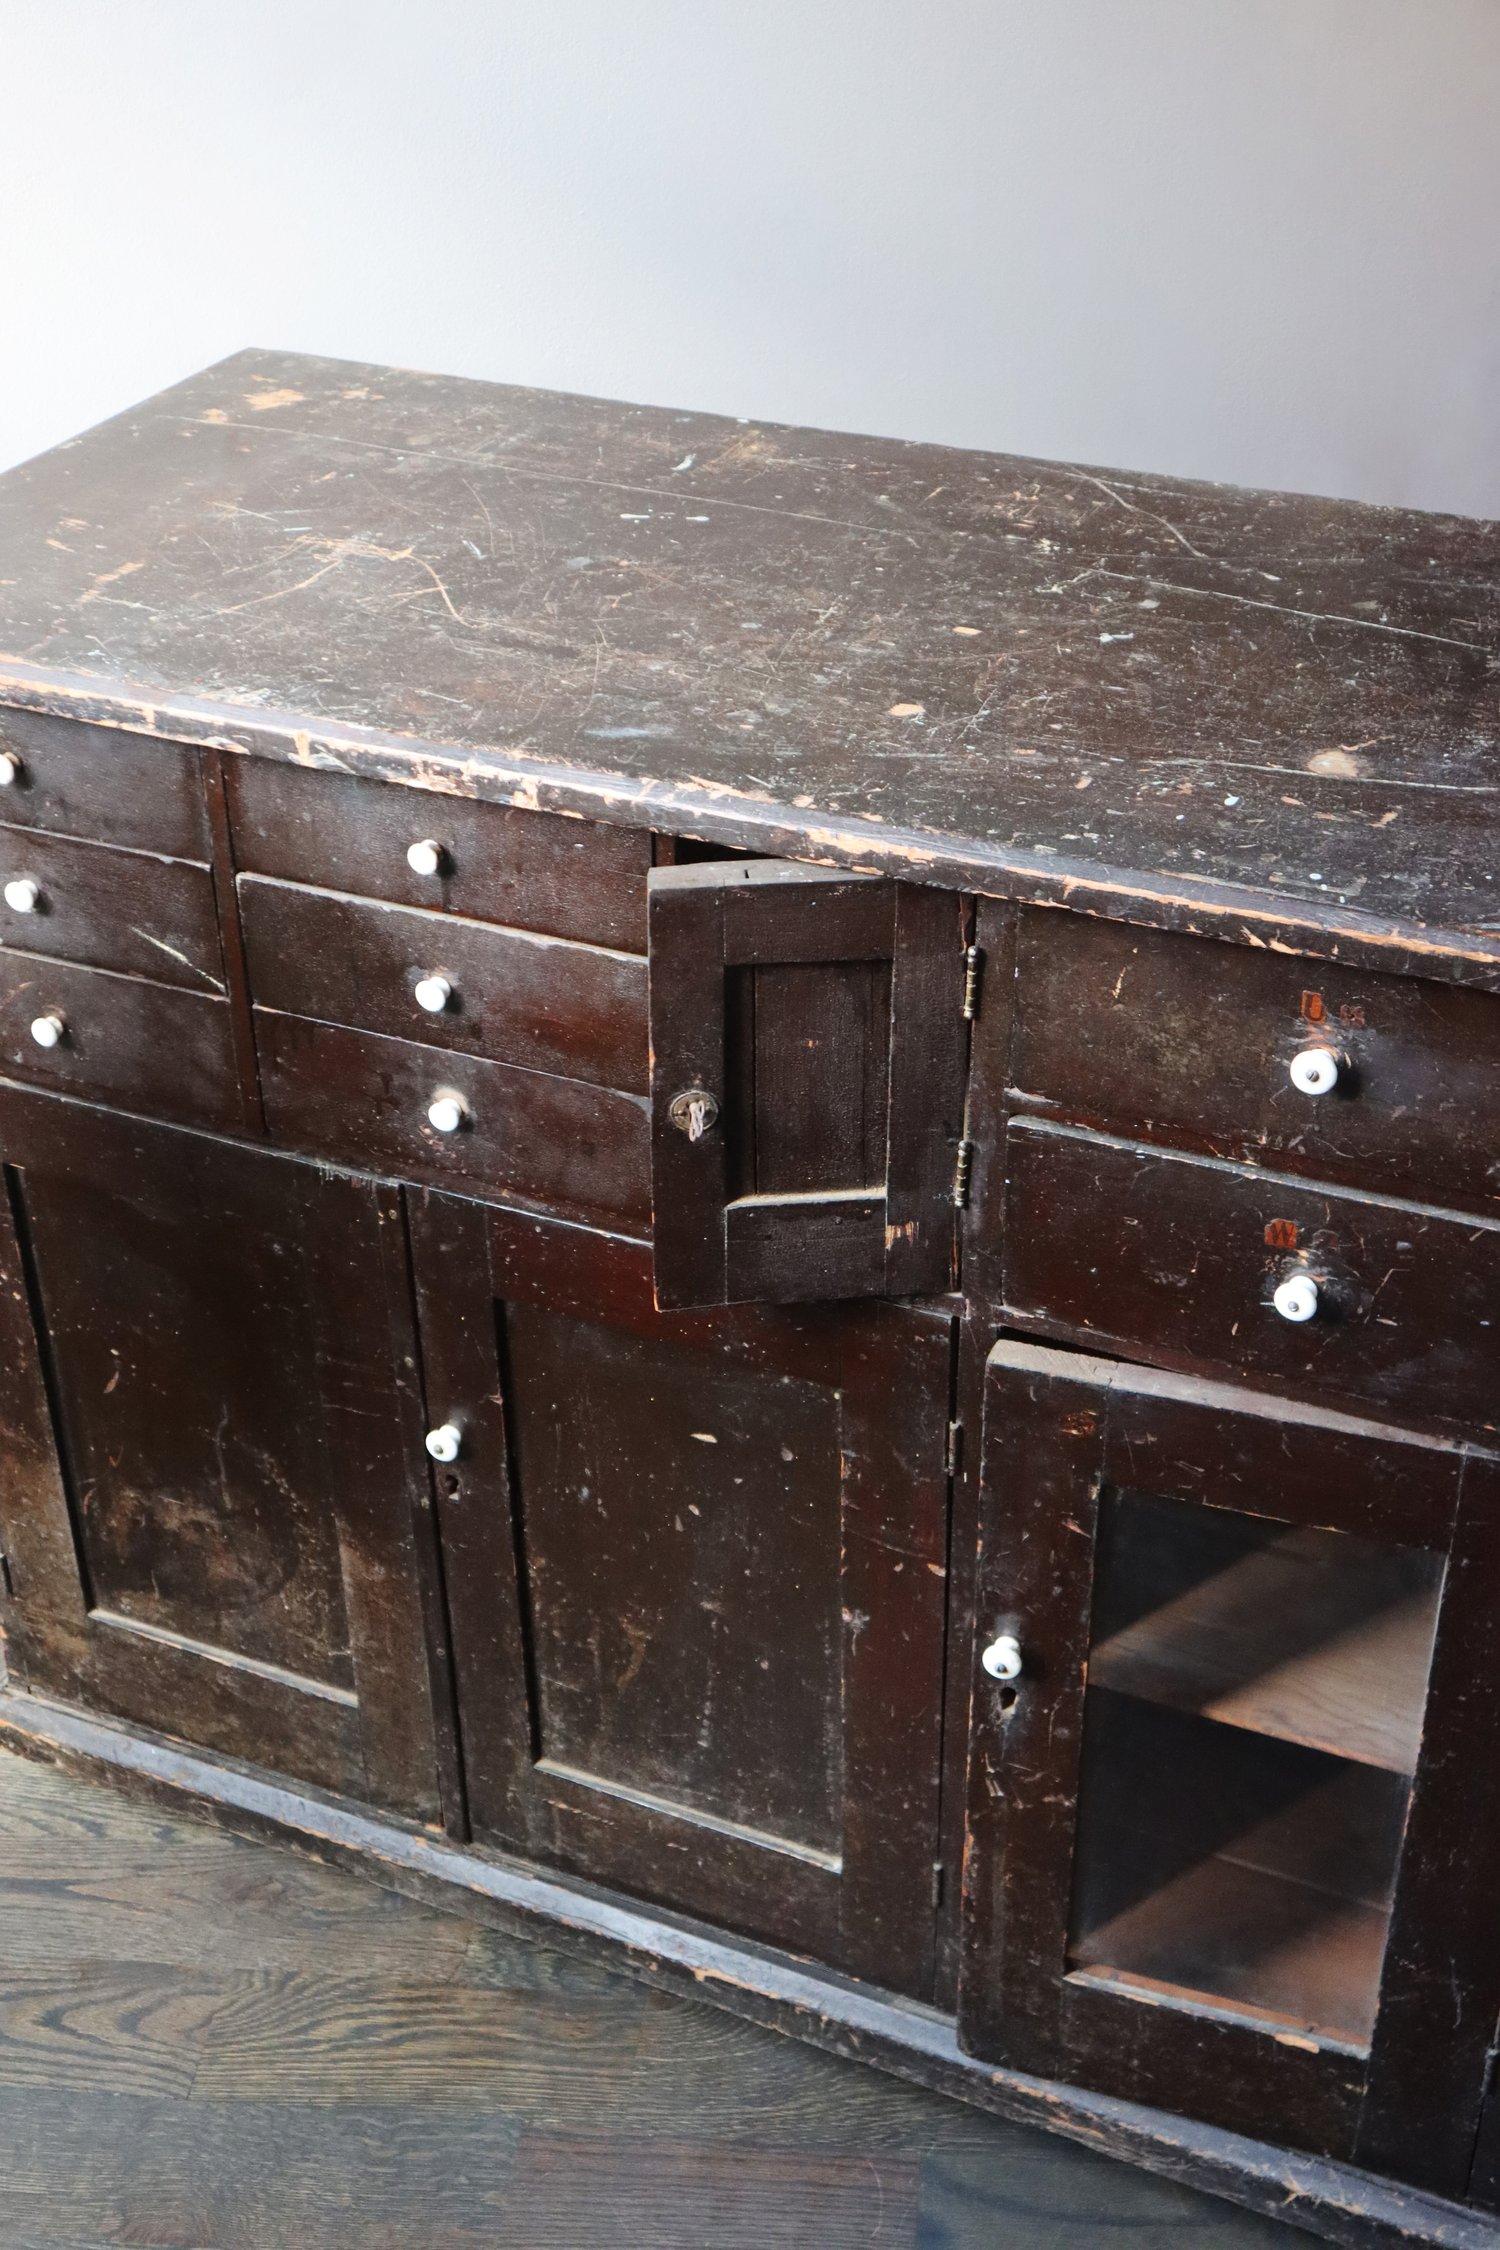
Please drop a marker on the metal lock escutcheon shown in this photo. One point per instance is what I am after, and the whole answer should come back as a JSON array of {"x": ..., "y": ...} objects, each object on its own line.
[{"x": 694, "y": 1112}]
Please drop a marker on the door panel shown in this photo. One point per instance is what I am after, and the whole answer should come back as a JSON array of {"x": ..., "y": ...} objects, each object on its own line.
[
  {"x": 211, "y": 1430},
  {"x": 594, "y": 1502},
  {"x": 696, "y": 1566},
  {"x": 808, "y": 1037},
  {"x": 1205, "y": 1822}
]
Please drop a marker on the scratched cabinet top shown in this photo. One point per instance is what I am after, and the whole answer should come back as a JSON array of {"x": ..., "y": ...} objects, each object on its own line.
[{"x": 1272, "y": 717}]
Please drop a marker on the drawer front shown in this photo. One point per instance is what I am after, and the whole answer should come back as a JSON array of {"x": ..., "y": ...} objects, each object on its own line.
[
  {"x": 581, "y": 1150},
  {"x": 142, "y": 1047},
  {"x": 145, "y": 916},
  {"x": 534, "y": 871},
  {"x": 101, "y": 782},
  {"x": 546, "y": 1003},
  {"x": 1184, "y": 1039},
  {"x": 1176, "y": 1259}
]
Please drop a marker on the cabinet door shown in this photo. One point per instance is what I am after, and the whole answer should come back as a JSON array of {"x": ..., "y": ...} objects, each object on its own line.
[
  {"x": 213, "y": 1481},
  {"x": 808, "y": 1046},
  {"x": 695, "y": 1564},
  {"x": 1232, "y": 1800}
]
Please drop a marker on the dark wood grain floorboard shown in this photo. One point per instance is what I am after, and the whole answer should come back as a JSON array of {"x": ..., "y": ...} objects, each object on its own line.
[{"x": 207, "y": 2044}]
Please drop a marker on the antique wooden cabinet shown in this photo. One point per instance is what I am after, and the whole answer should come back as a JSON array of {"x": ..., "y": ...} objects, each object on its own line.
[{"x": 752, "y": 1199}]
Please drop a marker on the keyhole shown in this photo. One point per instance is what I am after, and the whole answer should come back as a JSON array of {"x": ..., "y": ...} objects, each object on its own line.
[{"x": 694, "y": 1112}]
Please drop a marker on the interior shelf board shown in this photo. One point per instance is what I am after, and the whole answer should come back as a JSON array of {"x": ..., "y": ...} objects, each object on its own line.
[
  {"x": 1258, "y": 1942},
  {"x": 1344, "y": 1672}
]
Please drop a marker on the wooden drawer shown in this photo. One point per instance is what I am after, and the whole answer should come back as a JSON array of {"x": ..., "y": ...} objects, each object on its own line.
[
  {"x": 146, "y": 916},
  {"x": 582, "y": 1150},
  {"x": 546, "y": 1003},
  {"x": 104, "y": 783},
  {"x": 1189, "y": 1041},
  {"x": 535, "y": 871},
  {"x": 140, "y": 1046},
  {"x": 1175, "y": 1258}
]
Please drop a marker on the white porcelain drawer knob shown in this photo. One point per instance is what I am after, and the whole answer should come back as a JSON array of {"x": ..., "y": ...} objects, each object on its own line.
[
  {"x": 49, "y": 1030},
  {"x": 433, "y": 994},
  {"x": 427, "y": 857},
  {"x": 1002, "y": 1659},
  {"x": 1297, "y": 1298},
  {"x": 447, "y": 1113},
  {"x": 22, "y": 895},
  {"x": 10, "y": 769},
  {"x": 1316, "y": 1070},
  {"x": 446, "y": 1442}
]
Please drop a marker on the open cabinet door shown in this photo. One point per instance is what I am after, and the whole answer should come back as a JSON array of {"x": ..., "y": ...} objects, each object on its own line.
[{"x": 808, "y": 1042}]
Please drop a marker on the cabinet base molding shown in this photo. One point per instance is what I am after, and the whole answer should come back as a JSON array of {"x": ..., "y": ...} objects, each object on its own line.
[{"x": 1332, "y": 2201}]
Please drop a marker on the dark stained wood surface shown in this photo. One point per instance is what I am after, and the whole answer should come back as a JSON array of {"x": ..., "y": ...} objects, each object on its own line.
[
  {"x": 822, "y": 1015},
  {"x": 564, "y": 877},
  {"x": 362, "y": 1100},
  {"x": 1189, "y": 1043},
  {"x": 695, "y": 1562},
  {"x": 96, "y": 782},
  {"x": 1273, "y": 715},
  {"x": 1174, "y": 1259},
  {"x": 146, "y": 917},
  {"x": 151, "y": 1048},
  {"x": 1065, "y": 1438},
  {"x": 1428, "y": 2072},
  {"x": 214, "y": 1507},
  {"x": 578, "y": 1011},
  {"x": 210, "y": 2044}
]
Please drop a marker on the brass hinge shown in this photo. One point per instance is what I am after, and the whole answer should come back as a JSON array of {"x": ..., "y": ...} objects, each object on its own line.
[
  {"x": 953, "y": 1449},
  {"x": 963, "y": 1165},
  {"x": 973, "y": 977}
]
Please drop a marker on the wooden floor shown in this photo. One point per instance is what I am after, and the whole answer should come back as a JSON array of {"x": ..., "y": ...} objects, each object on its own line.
[{"x": 205, "y": 2042}]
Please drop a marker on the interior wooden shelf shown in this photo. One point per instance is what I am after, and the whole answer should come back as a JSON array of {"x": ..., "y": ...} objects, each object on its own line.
[
  {"x": 1259, "y": 1943},
  {"x": 1234, "y": 1869},
  {"x": 1308, "y": 1637}
]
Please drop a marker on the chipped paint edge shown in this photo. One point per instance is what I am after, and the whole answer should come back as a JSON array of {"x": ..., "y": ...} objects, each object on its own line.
[{"x": 717, "y": 813}]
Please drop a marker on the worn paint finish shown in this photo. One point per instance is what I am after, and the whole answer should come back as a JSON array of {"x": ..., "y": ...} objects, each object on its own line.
[
  {"x": 1266, "y": 720},
  {"x": 1274, "y": 716}
]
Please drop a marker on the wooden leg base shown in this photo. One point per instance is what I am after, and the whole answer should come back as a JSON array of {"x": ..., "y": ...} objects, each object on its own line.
[{"x": 1331, "y": 2200}]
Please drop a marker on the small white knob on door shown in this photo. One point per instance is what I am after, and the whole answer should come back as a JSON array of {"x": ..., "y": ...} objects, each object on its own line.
[
  {"x": 446, "y": 1442},
  {"x": 49, "y": 1030},
  {"x": 22, "y": 895},
  {"x": 1316, "y": 1070},
  {"x": 447, "y": 1113},
  {"x": 1297, "y": 1298},
  {"x": 10, "y": 769},
  {"x": 433, "y": 994},
  {"x": 1002, "y": 1659},
  {"x": 426, "y": 857}
]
